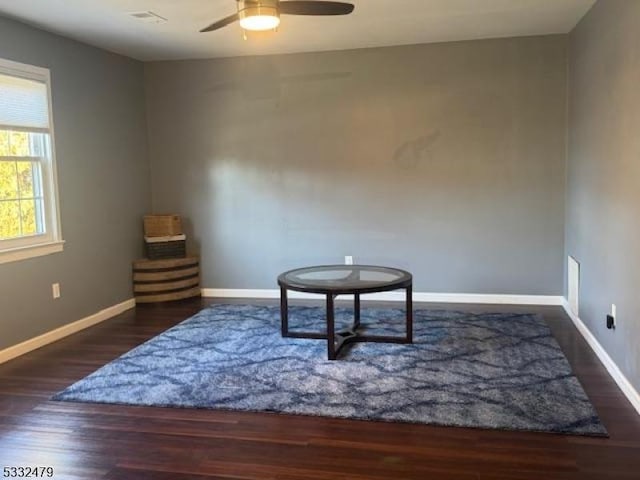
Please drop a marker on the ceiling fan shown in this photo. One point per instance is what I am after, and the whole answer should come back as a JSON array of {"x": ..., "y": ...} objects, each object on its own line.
[{"x": 261, "y": 15}]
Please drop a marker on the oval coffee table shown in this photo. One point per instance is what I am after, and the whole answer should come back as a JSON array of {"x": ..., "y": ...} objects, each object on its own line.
[{"x": 334, "y": 280}]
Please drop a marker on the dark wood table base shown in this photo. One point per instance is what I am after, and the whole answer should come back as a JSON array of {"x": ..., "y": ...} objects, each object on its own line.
[{"x": 336, "y": 341}]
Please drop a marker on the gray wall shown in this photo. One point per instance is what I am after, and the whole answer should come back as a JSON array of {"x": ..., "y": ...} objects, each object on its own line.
[
  {"x": 603, "y": 195},
  {"x": 445, "y": 159},
  {"x": 99, "y": 115}
]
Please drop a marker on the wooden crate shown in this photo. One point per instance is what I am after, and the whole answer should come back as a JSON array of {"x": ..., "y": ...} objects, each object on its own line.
[
  {"x": 166, "y": 280},
  {"x": 162, "y": 225}
]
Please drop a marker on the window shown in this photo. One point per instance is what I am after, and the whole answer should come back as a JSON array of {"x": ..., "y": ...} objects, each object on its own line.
[{"x": 29, "y": 224}]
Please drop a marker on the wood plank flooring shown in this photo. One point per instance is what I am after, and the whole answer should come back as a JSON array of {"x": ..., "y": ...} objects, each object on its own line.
[{"x": 92, "y": 442}]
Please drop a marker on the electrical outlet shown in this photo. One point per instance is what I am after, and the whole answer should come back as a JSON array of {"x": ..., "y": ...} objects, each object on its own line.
[
  {"x": 348, "y": 260},
  {"x": 55, "y": 290},
  {"x": 614, "y": 314}
]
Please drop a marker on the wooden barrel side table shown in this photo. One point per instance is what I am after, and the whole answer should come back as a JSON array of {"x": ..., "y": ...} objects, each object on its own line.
[{"x": 166, "y": 280}]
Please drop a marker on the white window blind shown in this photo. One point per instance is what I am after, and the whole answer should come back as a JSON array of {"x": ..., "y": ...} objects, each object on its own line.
[{"x": 24, "y": 104}]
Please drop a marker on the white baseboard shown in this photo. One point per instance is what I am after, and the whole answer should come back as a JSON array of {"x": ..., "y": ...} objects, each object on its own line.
[
  {"x": 64, "y": 331},
  {"x": 397, "y": 296},
  {"x": 625, "y": 385}
]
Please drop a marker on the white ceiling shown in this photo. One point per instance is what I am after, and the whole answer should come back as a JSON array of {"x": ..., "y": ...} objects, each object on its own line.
[{"x": 106, "y": 24}]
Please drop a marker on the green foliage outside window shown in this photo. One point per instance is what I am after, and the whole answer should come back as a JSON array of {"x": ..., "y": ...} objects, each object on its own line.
[{"x": 20, "y": 204}]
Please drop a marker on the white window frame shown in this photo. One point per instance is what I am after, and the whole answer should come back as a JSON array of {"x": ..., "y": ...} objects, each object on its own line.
[{"x": 51, "y": 241}]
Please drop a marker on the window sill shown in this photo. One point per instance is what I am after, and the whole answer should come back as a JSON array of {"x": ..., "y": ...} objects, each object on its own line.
[{"x": 23, "y": 253}]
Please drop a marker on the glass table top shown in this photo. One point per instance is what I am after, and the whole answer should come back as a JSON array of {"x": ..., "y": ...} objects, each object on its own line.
[{"x": 344, "y": 277}]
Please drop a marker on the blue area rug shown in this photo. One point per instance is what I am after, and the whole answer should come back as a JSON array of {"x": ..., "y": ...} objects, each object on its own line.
[{"x": 503, "y": 371}]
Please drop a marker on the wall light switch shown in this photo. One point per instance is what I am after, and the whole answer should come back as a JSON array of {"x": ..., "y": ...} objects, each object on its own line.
[{"x": 55, "y": 290}]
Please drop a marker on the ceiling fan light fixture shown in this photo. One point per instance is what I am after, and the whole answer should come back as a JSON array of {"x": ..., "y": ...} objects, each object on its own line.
[
  {"x": 258, "y": 16},
  {"x": 263, "y": 15}
]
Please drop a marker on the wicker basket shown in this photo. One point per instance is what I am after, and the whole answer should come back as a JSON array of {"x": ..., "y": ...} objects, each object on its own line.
[
  {"x": 160, "y": 248},
  {"x": 166, "y": 280},
  {"x": 162, "y": 225}
]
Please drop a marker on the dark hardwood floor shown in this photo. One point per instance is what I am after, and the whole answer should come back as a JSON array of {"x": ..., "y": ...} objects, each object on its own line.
[{"x": 117, "y": 443}]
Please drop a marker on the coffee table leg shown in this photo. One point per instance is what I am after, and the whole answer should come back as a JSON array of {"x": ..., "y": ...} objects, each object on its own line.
[
  {"x": 409, "y": 307},
  {"x": 284, "y": 311},
  {"x": 356, "y": 311},
  {"x": 331, "y": 333}
]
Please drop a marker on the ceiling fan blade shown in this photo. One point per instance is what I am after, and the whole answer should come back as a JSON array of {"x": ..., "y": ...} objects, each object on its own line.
[
  {"x": 295, "y": 7},
  {"x": 221, "y": 23}
]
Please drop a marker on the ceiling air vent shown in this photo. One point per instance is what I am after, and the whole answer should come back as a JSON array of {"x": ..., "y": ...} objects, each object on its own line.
[{"x": 148, "y": 17}]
